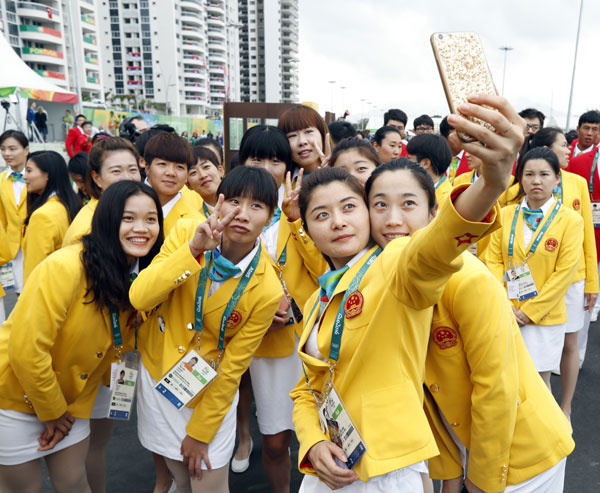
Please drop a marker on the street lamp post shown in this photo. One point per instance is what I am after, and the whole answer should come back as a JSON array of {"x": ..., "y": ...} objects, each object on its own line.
[
  {"x": 506, "y": 49},
  {"x": 574, "y": 64},
  {"x": 332, "y": 82}
]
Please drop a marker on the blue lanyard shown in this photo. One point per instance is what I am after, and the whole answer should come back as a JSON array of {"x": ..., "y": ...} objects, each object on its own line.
[
  {"x": 441, "y": 180},
  {"x": 206, "y": 210},
  {"x": 115, "y": 325},
  {"x": 541, "y": 232},
  {"x": 237, "y": 294},
  {"x": 338, "y": 325},
  {"x": 594, "y": 171}
]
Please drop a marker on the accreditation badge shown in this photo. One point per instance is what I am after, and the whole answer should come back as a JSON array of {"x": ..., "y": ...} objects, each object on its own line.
[
  {"x": 596, "y": 214},
  {"x": 123, "y": 380},
  {"x": 7, "y": 276},
  {"x": 294, "y": 313},
  {"x": 338, "y": 424},
  {"x": 527, "y": 288},
  {"x": 190, "y": 375}
]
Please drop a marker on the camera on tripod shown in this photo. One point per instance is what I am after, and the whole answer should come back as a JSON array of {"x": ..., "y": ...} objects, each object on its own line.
[{"x": 5, "y": 104}]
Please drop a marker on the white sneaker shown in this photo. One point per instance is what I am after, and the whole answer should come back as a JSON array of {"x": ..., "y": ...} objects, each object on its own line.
[{"x": 242, "y": 465}]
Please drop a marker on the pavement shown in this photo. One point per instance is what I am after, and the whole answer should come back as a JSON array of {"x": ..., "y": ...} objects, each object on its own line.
[{"x": 131, "y": 468}]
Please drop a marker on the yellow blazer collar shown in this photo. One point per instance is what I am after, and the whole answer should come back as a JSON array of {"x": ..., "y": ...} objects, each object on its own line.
[
  {"x": 351, "y": 272},
  {"x": 284, "y": 234},
  {"x": 8, "y": 190},
  {"x": 308, "y": 326}
]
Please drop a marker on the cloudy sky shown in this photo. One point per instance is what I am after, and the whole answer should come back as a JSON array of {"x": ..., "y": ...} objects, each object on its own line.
[{"x": 380, "y": 52}]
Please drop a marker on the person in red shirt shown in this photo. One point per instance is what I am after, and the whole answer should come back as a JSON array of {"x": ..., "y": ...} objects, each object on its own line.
[
  {"x": 83, "y": 141},
  {"x": 73, "y": 134},
  {"x": 459, "y": 164},
  {"x": 588, "y": 133}
]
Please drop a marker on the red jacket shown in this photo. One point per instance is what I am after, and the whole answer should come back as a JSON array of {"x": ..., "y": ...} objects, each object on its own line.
[
  {"x": 77, "y": 141},
  {"x": 582, "y": 166}
]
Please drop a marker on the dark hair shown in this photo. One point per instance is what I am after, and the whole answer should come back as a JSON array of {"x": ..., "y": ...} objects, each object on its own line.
[
  {"x": 170, "y": 147},
  {"x": 533, "y": 113},
  {"x": 545, "y": 137},
  {"x": 592, "y": 116},
  {"x": 54, "y": 165},
  {"x": 418, "y": 172},
  {"x": 18, "y": 136},
  {"x": 382, "y": 132},
  {"x": 299, "y": 117},
  {"x": 423, "y": 120},
  {"x": 79, "y": 116},
  {"x": 204, "y": 154},
  {"x": 395, "y": 114},
  {"x": 536, "y": 153},
  {"x": 340, "y": 130},
  {"x": 100, "y": 136},
  {"x": 433, "y": 147},
  {"x": 571, "y": 135},
  {"x": 104, "y": 260},
  {"x": 98, "y": 153},
  {"x": 445, "y": 128},
  {"x": 78, "y": 164},
  {"x": 208, "y": 142},
  {"x": 250, "y": 181},
  {"x": 87, "y": 122},
  {"x": 266, "y": 142},
  {"x": 325, "y": 176},
  {"x": 142, "y": 140},
  {"x": 363, "y": 147}
]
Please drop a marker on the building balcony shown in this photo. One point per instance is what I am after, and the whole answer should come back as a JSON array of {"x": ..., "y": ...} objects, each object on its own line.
[
  {"x": 216, "y": 56},
  {"x": 90, "y": 40},
  {"x": 135, "y": 84},
  {"x": 216, "y": 48},
  {"x": 87, "y": 5},
  {"x": 95, "y": 81},
  {"x": 191, "y": 5},
  {"x": 216, "y": 69},
  {"x": 92, "y": 60},
  {"x": 38, "y": 11},
  {"x": 213, "y": 7},
  {"x": 134, "y": 70},
  {"x": 42, "y": 55},
  {"x": 88, "y": 19},
  {"x": 191, "y": 34},
  {"x": 134, "y": 55},
  {"x": 192, "y": 47},
  {"x": 193, "y": 60},
  {"x": 214, "y": 20},
  {"x": 40, "y": 33},
  {"x": 219, "y": 34},
  {"x": 191, "y": 17},
  {"x": 194, "y": 73},
  {"x": 195, "y": 86},
  {"x": 217, "y": 83},
  {"x": 50, "y": 74}
]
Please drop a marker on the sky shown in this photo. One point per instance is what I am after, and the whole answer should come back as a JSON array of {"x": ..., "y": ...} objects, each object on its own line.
[{"x": 380, "y": 53}]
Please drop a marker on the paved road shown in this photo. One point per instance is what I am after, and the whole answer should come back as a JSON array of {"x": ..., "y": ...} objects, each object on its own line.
[{"x": 131, "y": 469}]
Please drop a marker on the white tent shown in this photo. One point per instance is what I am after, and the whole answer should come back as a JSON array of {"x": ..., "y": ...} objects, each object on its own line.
[{"x": 19, "y": 83}]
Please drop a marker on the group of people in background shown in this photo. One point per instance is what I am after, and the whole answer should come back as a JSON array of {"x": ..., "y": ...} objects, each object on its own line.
[{"x": 398, "y": 304}]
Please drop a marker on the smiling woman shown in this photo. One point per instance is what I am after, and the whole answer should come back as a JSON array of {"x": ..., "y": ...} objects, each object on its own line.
[{"x": 84, "y": 314}]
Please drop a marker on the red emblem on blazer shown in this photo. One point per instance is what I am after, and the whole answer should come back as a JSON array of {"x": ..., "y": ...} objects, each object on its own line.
[
  {"x": 466, "y": 238},
  {"x": 445, "y": 337},
  {"x": 354, "y": 304},
  {"x": 234, "y": 319},
  {"x": 576, "y": 204},
  {"x": 551, "y": 244}
]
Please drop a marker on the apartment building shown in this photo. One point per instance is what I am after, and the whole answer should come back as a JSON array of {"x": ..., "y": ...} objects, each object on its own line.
[
  {"x": 183, "y": 54},
  {"x": 58, "y": 39},
  {"x": 269, "y": 50}
]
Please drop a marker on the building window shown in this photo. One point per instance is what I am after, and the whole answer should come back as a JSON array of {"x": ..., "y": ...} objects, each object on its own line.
[{"x": 114, "y": 20}]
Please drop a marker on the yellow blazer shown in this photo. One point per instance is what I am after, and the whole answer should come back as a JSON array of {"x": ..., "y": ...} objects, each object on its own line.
[
  {"x": 181, "y": 210},
  {"x": 168, "y": 285},
  {"x": 484, "y": 384},
  {"x": 82, "y": 223},
  {"x": 443, "y": 191},
  {"x": 379, "y": 374},
  {"x": 193, "y": 199},
  {"x": 44, "y": 233},
  {"x": 304, "y": 264},
  {"x": 12, "y": 216},
  {"x": 553, "y": 265},
  {"x": 59, "y": 361},
  {"x": 576, "y": 196}
]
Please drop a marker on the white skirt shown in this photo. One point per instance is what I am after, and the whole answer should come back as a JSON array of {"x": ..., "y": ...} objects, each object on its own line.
[
  {"x": 550, "y": 481},
  {"x": 272, "y": 381},
  {"x": 575, "y": 302},
  {"x": 161, "y": 427},
  {"x": 405, "y": 480},
  {"x": 17, "y": 264},
  {"x": 20, "y": 431},
  {"x": 102, "y": 403},
  {"x": 545, "y": 344}
]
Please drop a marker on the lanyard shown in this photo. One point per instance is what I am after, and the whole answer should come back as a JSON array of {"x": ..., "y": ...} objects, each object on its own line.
[
  {"x": 560, "y": 186},
  {"x": 440, "y": 181},
  {"x": 116, "y": 328},
  {"x": 593, "y": 171},
  {"x": 206, "y": 210},
  {"x": 338, "y": 325},
  {"x": 237, "y": 294},
  {"x": 538, "y": 238}
]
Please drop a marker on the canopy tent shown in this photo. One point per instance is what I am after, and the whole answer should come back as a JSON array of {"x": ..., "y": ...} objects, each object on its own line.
[{"x": 19, "y": 78}]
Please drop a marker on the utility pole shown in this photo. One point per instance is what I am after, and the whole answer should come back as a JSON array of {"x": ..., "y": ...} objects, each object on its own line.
[
  {"x": 506, "y": 49},
  {"x": 574, "y": 64}
]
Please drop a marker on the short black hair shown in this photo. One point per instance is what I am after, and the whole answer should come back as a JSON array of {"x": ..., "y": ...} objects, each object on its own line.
[
  {"x": 423, "y": 120},
  {"x": 571, "y": 135},
  {"x": 395, "y": 114},
  {"x": 340, "y": 130},
  {"x": 79, "y": 116},
  {"x": 144, "y": 137},
  {"x": 212, "y": 143},
  {"x": 382, "y": 132},
  {"x": 204, "y": 154},
  {"x": 445, "y": 128},
  {"x": 78, "y": 164},
  {"x": 19, "y": 136},
  {"x": 592, "y": 116},
  {"x": 266, "y": 142},
  {"x": 250, "y": 181},
  {"x": 87, "y": 122},
  {"x": 533, "y": 113},
  {"x": 170, "y": 147},
  {"x": 434, "y": 147}
]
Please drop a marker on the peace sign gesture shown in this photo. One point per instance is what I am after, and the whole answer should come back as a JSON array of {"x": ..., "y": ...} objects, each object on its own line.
[
  {"x": 324, "y": 157},
  {"x": 289, "y": 206},
  {"x": 208, "y": 234}
]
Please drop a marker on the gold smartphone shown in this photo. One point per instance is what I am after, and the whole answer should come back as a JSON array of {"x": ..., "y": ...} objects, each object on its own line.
[{"x": 463, "y": 70}]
